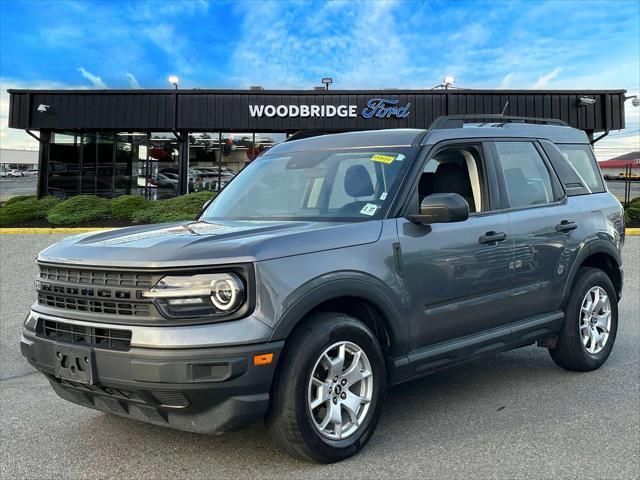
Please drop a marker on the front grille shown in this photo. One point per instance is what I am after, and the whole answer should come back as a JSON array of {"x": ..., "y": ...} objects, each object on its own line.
[
  {"x": 95, "y": 306},
  {"x": 117, "y": 393},
  {"x": 170, "y": 399},
  {"x": 103, "y": 292},
  {"x": 63, "y": 332},
  {"x": 95, "y": 277}
]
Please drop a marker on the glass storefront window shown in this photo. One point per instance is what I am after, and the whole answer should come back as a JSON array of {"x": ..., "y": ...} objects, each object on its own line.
[
  {"x": 64, "y": 165},
  {"x": 215, "y": 158},
  {"x": 97, "y": 164},
  {"x": 159, "y": 172},
  {"x": 111, "y": 164},
  {"x": 105, "y": 147},
  {"x": 123, "y": 166}
]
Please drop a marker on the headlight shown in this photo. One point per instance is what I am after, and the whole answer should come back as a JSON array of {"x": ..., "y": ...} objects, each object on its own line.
[{"x": 198, "y": 295}]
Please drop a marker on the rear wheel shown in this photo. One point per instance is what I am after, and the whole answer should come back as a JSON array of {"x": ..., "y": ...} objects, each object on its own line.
[
  {"x": 591, "y": 322},
  {"x": 329, "y": 392}
]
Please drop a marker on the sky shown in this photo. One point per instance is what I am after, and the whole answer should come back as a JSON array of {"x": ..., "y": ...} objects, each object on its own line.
[{"x": 279, "y": 44}]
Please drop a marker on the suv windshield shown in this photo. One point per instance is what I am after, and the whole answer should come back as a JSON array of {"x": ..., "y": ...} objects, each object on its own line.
[{"x": 336, "y": 185}]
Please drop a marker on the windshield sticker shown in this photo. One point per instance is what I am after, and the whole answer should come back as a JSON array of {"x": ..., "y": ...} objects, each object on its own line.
[
  {"x": 383, "y": 158},
  {"x": 383, "y": 196},
  {"x": 369, "y": 209}
]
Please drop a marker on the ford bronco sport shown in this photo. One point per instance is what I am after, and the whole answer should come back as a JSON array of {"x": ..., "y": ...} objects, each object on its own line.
[{"x": 331, "y": 268}]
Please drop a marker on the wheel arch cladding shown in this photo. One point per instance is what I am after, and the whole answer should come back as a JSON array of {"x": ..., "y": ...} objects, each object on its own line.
[
  {"x": 357, "y": 297},
  {"x": 601, "y": 254}
]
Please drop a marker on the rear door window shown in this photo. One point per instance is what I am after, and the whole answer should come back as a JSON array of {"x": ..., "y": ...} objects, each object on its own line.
[
  {"x": 581, "y": 158},
  {"x": 527, "y": 180}
]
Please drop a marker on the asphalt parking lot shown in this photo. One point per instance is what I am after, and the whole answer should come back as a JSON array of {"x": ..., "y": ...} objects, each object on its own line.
[
  {"x": 11, "y": 187},
  {"x": 513, "y": 415}
]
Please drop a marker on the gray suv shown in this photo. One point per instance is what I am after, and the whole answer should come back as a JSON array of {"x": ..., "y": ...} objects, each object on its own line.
[{"x": 331, "y": 268}]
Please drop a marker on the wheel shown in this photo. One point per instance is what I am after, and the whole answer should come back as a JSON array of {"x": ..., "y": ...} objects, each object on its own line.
[
  {"x": 329, "y": 391},
  {"x": 590, "y": 324}
]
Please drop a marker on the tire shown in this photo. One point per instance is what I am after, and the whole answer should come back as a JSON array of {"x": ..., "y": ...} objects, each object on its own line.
[
  {"x": 291, "y": 420},
  {"x": 571, "y": 351}
]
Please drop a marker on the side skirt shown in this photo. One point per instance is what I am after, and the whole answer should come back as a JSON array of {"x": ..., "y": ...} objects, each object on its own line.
[{"x": 442, "y": 355}]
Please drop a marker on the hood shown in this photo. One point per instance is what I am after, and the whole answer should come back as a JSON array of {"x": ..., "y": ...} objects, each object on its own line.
[{"x": 204, "y": 243}]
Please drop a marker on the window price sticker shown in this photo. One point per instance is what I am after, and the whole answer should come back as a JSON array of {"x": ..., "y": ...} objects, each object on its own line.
[
  {"x": 383, "y": 158},
  {"x": 369, "y": 209}
]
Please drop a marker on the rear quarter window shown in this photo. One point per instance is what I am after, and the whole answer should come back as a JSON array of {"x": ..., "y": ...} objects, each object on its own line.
[{"x": 581, "y": 158}]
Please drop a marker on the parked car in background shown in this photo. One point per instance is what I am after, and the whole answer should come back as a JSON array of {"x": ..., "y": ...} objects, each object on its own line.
[
  {"x": 173, "y": 176},
  {"x": 162, "y": 180},
  {"x": 32, "y": 172},
  {"x": 332, "y": 268},
  {"x": 15, "y": 173}
]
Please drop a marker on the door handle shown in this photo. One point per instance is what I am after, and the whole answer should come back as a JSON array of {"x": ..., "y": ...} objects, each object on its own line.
[
  {"x": 492, "y": 237},
  {"x": 566, "y": 226}
]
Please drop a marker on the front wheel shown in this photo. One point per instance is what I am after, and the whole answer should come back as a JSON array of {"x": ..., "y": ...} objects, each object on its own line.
[
  {"x": 329, "y": 392},
  {"x": 590, "y": 324}
]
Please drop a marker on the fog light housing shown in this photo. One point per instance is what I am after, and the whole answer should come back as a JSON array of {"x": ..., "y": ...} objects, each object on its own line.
[
  {"x": 198, "y": 295},
  {"x": 31, "y": 322}
]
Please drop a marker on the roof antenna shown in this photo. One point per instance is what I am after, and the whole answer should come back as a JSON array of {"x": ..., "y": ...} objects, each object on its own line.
[{"x": 505, "y": 108}]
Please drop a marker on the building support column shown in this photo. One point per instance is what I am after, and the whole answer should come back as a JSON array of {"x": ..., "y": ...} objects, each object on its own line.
[
  {"x": 43, "y": 163},
  {"x": 183, "y": 163}
]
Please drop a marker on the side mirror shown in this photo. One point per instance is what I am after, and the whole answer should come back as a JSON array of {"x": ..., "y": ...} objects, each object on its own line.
[{"x": 442, "y": 208}]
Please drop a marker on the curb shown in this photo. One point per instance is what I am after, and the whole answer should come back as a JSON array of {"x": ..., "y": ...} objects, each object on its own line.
[
  {"x": 53, "y": 231},
  {"x": 48, "y": 231}
]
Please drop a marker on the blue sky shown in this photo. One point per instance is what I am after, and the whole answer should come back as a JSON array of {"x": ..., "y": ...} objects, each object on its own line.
[{"x": 499, "y": 44}]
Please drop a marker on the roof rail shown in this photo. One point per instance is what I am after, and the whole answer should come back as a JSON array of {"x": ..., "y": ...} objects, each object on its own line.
[{"x": 458, "y": 121}]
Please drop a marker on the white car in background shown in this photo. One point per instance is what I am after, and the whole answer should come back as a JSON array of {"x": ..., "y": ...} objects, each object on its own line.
[
  {"x": 32, "y": 172},
  {"x": 15, "y": 173}
]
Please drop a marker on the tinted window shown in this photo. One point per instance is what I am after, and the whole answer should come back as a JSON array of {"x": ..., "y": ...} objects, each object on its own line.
[
  {"x": 583, "y": 162},
  {"x": 455, "y": 170},
  {"x": 525, "y": 174}
]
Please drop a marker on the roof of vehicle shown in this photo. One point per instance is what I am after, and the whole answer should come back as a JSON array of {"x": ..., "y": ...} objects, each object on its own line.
[
  {"x": 406, "y": 137},
  {"x": 553, "y": 133},
  {"x": 399, "y": 137}
]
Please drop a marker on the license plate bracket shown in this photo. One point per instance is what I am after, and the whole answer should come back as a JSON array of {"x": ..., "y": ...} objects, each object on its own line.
[{"x": 75, "y": 364}]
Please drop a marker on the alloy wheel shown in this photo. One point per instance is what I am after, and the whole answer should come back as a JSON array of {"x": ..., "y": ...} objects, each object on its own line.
[
  {"x": 595, "y": 320},
  {"x": 340, "y": 390}
]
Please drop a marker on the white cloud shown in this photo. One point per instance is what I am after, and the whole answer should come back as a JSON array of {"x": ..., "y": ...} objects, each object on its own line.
[
  {"x": 543, "y": 81},
  {"x": 301, "y": 46},
  {"x": 95, "y": 80},
  {"x": 133, "y": 81},
  {"x": 506, "y": 81},
  {"x": 165, "y": 37}
]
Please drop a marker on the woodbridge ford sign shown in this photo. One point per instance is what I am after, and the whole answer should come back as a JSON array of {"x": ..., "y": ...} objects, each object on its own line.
[{"x": 376, "y": 108}]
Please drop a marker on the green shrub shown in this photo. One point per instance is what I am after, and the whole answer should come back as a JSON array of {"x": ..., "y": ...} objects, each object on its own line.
[
  {"x": 19, "y": 198},
  {"x": 126, "y": 206},
  {"x": 632, "y": 213},
  {"x": 80, "y": 209},
  {"x": 26, "y": 209},
  {"x": 185, "y": 207}
]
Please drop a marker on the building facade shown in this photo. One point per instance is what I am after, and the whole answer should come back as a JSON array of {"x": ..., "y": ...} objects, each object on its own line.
[
  {"x": 161, "y": 143},
  {"x": 11, "y": 158}
]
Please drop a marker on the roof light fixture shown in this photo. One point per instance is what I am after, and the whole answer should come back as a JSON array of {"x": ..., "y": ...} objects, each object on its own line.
[{"x": 174, "y": 80}]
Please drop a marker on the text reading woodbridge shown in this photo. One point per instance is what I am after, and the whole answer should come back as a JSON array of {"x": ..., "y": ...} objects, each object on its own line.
[{"x": 376, "y": 107}]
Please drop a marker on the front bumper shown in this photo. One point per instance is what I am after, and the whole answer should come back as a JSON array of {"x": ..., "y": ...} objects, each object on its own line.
[{"x": 204, "y": 390}]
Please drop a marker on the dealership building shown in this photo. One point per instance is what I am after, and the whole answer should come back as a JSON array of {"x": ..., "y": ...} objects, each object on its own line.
[{"x": 161, "y": 143}]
